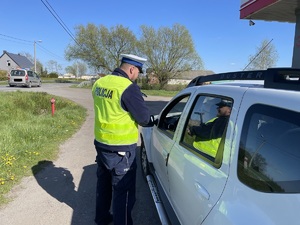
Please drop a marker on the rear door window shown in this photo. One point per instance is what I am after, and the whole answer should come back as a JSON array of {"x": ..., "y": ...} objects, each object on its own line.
[{"x": 269, "y": 150}]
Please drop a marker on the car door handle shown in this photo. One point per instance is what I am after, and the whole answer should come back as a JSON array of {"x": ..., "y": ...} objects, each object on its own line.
[
  {"x": 202, "y": 191},
  {"x": 166, "y": 156}
]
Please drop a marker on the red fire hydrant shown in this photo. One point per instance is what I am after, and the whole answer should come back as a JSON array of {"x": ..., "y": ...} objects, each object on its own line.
[{"x": 53, "y": 106}]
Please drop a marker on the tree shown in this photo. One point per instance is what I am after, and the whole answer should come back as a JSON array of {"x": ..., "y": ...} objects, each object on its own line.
[
  {"x": 53, "y": 66},
  {"x": 78, "y": 69},
  {"x": 266, "y": 56},
  {"x": 82, "y": 68},
  {"x": 170, "y": 51},
  {"x": 39, "y": 65},
  {"x": 100, "y": 47},
  {"x": 71, "y": 69}
]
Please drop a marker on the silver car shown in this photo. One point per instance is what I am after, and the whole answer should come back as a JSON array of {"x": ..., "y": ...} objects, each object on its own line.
[{"x": 23, "y": 77}]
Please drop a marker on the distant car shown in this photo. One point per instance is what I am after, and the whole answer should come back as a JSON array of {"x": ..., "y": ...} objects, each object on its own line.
[
  {"x": 23, "y": 77},
  {"x": 246, "y": 172}
]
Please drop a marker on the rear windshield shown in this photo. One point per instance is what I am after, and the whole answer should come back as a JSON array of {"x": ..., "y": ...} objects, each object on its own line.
[{"x": 17, "y": 73}]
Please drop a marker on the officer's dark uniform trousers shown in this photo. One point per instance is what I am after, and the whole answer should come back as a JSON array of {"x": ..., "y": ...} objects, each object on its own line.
[{"x": 116, "y": 177}]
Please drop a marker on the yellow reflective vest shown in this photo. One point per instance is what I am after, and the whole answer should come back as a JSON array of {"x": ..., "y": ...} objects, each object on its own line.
[
  {"x": 209, "y": 147},
  {"x": 113, "y": 125}
]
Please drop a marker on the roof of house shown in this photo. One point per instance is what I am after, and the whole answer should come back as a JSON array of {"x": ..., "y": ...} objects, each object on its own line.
[{"x": 21, "y": 61}]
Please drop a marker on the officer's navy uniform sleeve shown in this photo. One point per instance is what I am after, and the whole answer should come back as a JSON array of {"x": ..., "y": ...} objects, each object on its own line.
[{"x": 132, "y": 101}]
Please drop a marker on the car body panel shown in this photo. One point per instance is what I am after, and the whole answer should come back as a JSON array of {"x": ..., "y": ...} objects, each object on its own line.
[{"x": 203, "y": 183}]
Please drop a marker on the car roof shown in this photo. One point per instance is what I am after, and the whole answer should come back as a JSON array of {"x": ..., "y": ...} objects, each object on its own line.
[
  {"x": 241, "y": 83},
  {"x": 276, "y": 78},
  {"x": 22, "y": 69}
]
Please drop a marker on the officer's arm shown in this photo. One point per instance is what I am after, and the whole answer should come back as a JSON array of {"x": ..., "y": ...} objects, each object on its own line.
[{"x": 133, "y": 102}]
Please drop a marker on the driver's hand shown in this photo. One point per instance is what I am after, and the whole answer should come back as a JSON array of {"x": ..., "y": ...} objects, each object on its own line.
[{"x": 188, "y": 131}]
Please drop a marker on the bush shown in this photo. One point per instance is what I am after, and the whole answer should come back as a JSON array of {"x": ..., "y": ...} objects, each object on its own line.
[
  {"x": 146, "y": 86},
  {"x": 174, "y": 87},
  {"x": 53, "y": 75},
  {"x": 3, "y": 75},
  {"x": 167, "y": 87},
  {"x": 62, "y": 80}
]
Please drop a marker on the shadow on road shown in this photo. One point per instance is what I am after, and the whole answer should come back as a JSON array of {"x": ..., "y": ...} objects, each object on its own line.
[{"x": 58, "y": 182}]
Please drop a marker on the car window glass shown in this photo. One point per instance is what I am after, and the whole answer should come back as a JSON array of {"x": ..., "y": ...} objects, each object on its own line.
[
  {"x": 170, "y": 116},
  {"x": 30, "y": 73},
  {"x": 206, "y": 127},
  {"x": 18, "y": 73},
  {"x": 269, "y": 152}
]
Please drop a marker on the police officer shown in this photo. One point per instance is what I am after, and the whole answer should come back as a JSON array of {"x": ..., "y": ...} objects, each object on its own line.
[{"x": 119, "y": 108}]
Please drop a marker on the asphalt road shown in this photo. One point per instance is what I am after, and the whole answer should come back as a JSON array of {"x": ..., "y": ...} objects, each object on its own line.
[{"x": 64, "y": 192}]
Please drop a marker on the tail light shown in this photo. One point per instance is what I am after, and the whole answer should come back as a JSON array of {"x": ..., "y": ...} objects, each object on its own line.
[
  {"x": 8, "y": 77},
  {"x": 26, "y": 77}
]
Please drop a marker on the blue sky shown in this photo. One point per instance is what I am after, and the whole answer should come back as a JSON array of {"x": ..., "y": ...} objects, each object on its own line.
[{"x": 222, "y": 39}]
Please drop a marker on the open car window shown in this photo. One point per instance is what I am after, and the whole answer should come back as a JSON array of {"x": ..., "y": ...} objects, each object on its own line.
[{"x": 170, "y": 116}]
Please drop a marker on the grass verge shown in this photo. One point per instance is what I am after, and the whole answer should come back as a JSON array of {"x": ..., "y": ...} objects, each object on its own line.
[
  {"x": 160, "y": 93},
  {"x": 30, "y": 133},
  {"x": 147, "y": 92}
]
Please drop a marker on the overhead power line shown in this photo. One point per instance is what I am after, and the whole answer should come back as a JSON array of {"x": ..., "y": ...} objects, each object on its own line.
[
  {"x": 21, "y": 41},
  {"x": 258, "y": 54},
  {"x": 47, "y": 51},
  {"x": 15, "y": 38},
  {"x": 58, "y": 19}
]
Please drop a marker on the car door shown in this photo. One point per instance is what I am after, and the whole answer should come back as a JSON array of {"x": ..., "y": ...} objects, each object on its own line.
[
  {"x": 196, "y": 179},
  {"x": 36, "y": 79},
  {"x": 31, "y": 77},
  {"x": 163, "y": 137}
]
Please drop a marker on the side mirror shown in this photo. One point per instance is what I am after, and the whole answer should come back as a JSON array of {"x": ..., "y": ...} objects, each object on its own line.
[{"x": 155, "y": 122}]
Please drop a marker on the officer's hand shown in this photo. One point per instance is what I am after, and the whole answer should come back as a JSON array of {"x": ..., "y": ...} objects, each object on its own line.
[{"x": 151, "y": 122}]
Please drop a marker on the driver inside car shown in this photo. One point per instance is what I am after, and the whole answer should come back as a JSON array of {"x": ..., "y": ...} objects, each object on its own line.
[{"x": 209, "y": 134}]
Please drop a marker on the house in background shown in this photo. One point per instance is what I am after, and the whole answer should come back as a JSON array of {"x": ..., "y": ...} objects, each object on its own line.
[
  {"x": 184, "y": 78},
  {"x": 9, "y": 61},
  {"x": 188, "y": 76}
]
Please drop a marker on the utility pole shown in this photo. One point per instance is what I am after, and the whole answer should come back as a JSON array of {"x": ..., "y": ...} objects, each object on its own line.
[{"x": 34, "y": 43}]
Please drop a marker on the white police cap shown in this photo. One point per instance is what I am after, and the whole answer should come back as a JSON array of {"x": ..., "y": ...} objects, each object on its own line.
[{"x": 134, "y": 60}]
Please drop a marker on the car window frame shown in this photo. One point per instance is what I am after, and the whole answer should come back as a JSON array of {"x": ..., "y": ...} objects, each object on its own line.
[
  {"x": 166, "y": 112},
  {"x": 214, "y": 161}
]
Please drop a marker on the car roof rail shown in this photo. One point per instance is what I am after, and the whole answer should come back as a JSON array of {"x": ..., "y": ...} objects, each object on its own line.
[{"x": 278, "y": 78}]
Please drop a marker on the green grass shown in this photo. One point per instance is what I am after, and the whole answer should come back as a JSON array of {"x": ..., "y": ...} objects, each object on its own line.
[
  {"x": 160, "y": 93},
  {"x": 30, "y": 134},
  {"x": 147, "y": 92}
]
